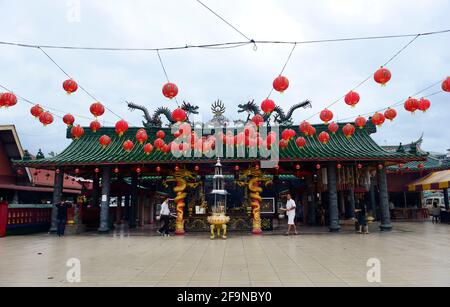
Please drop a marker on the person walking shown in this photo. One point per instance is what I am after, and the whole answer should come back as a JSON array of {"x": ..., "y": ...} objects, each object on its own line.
[
  {"x": 362, "y": 220},
  {"x": 164, "y": 216},
  {"x": 61, "y": 208},
  {"x": 436, "y": 213},
  {"x": 290, "y": 212}
]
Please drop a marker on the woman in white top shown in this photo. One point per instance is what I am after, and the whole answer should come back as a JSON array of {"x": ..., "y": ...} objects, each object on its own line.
[
  {"x": 290, "y": 212},
  {"x": 164, "y": 215}
]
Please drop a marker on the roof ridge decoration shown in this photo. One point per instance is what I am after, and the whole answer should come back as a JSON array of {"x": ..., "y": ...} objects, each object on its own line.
[
  {"x": 279, "y": 117},
  {"x": 155, "y": 119},
  {"x": 87, "y": 150}
]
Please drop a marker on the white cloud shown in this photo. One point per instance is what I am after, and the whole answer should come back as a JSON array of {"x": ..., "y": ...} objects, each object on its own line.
[{"x": 321, "y": 72}]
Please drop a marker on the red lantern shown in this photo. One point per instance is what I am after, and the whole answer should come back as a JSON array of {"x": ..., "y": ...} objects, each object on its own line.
[
  {"x": 268, "y": 105},
  {"x": 283, "y": 144},
  {"x": 68, "y": 119},
  {"x": 420, "y": 166},
  {"x": 148, "y": 148},
  {"x": 138, "y": 170},
  {"x": 333, "y": 127},
  {"x": 411, "y": 104},
  {"x": 158, "y": 169},
  {"x": 324, "y": 137},
  {"x": 70, "y": 86},
  {"x": 97, "y": 109},
  {"x": 382, "y": 76},
  {"x": 7, "y": 100},
  {"x": 46, "y": 118},
  {"x": 121, "y": 127},
  {"x": 281, "y": 84},
  {"x": 95, "y": 125},
  {"x": 160, "y": 134},
  {"x": 297, "y": 166},
  {"x": 170, "y": 90},
  {"x": 300, "y": 141},
  {"x": 311, "y": 131},
  {"x": 352, "y": 98},
  {"x": 348, "y": 130},
  {"x": 104, "y": 141},
  {"x": 177, "y": 168},
  {"x": 424, "y": 104},
  {"x": 257, "y": 120},
  {"x": 318, "y": 166},
  {"x": 339, "y": 166},
  {"x": 77, "y": 132},
  {"x": 128, "y": 145},
  {"x": 159, "y": 143},
  {"x": 378, "y": 119},
  {"x": 179, "y": 115},
  {"x": 141, "y": 136},
  {"x": 236, "y": 168},
  {"x": 360, "y": 122},
  {"x": 359, "y": 166},
  {"x": 304, "y": 127},
  {"x": 196, "y": 168},
  {"x": 36, "y": 110},
  {"x": 390, "y": 114},
  {"x": 166, "y": 148},
  {"x": 446, "y": 85},
  {"x": 116, "y": 170},
  {"x": 286, "y": 135},
  {"x": 77, "y": 171},
  {"x": 326, "y": 115},
  {"x": 97, "y": 170},
  {"x": 380, "y": 166}
]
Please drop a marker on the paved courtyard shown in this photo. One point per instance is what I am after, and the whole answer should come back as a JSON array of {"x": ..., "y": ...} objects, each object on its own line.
[{"x": 414, "y": 254}]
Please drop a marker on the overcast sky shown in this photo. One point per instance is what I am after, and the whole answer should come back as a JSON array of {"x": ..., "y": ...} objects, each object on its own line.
[{"x": 320, "y": 72}]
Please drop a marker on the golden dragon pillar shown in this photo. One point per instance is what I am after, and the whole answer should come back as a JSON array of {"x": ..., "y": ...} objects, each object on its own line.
[
  {"x": 183, "y": 179},
  {"x": 252, "y": 179}
]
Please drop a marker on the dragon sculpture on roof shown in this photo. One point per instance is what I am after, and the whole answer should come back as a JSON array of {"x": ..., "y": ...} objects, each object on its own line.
[
  {"x": 155, "y": 119},
  {"x": 281, "y": 118}
]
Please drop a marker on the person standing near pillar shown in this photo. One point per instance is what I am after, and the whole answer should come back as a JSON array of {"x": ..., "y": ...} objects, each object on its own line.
[
  {"x": 290, "y": 212},
  {"x": 62, "y": 207},
  {"x": 164, "y": 216}
]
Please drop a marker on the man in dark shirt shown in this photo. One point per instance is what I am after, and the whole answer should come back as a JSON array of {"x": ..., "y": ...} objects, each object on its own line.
[{"x": 62, "y": 207}]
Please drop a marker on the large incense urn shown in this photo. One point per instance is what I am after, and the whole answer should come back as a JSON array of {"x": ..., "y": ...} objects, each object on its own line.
[{"x": 218, "y": 221}]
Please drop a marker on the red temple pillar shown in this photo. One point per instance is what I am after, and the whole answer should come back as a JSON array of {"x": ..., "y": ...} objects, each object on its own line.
[{"x": 3, "y": 218}]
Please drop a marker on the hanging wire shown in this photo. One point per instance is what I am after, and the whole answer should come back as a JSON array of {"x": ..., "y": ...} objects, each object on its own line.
[
  {"x": 369, "y": 76},
  {"x": 45, "y": 107},
  {"x": 165, "y": 72},
  {"x": 67, "y": 47},
  {"x": 225, "y": 21},
  {"x": 284, "y": 67},
  {"x": 79, "y": 85},
  {"x": 400, "y": 102}
]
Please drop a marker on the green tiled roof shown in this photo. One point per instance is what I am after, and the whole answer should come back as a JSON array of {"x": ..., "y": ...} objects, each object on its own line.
[
  {"x": 430, "y": 164},
  {"x": 87, "y": 151}
]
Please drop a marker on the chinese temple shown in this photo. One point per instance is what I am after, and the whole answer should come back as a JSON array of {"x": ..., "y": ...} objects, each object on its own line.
[{"x": 330, "y": 179}]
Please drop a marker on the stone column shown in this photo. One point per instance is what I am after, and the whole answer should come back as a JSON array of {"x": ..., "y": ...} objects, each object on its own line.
[
  {"x": 134, "y": 201},
  {"x": 311, "y": 203},
  {"x": 57, "y": 193},
  {"x": 373, "y": 203},
  {"x": 119, "y": 210},
  {"x": 351, "y": 203},
  {"x": 104, "y": 207},
  {"x": 446, "y": 198},
  {"x": 341, "y": 195},
  {"x": 127, "y": 208},
  {"x": 332, "y": 197},
  {"x": 384, "y": 200},
  {"x": 95, "y": 190}
]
